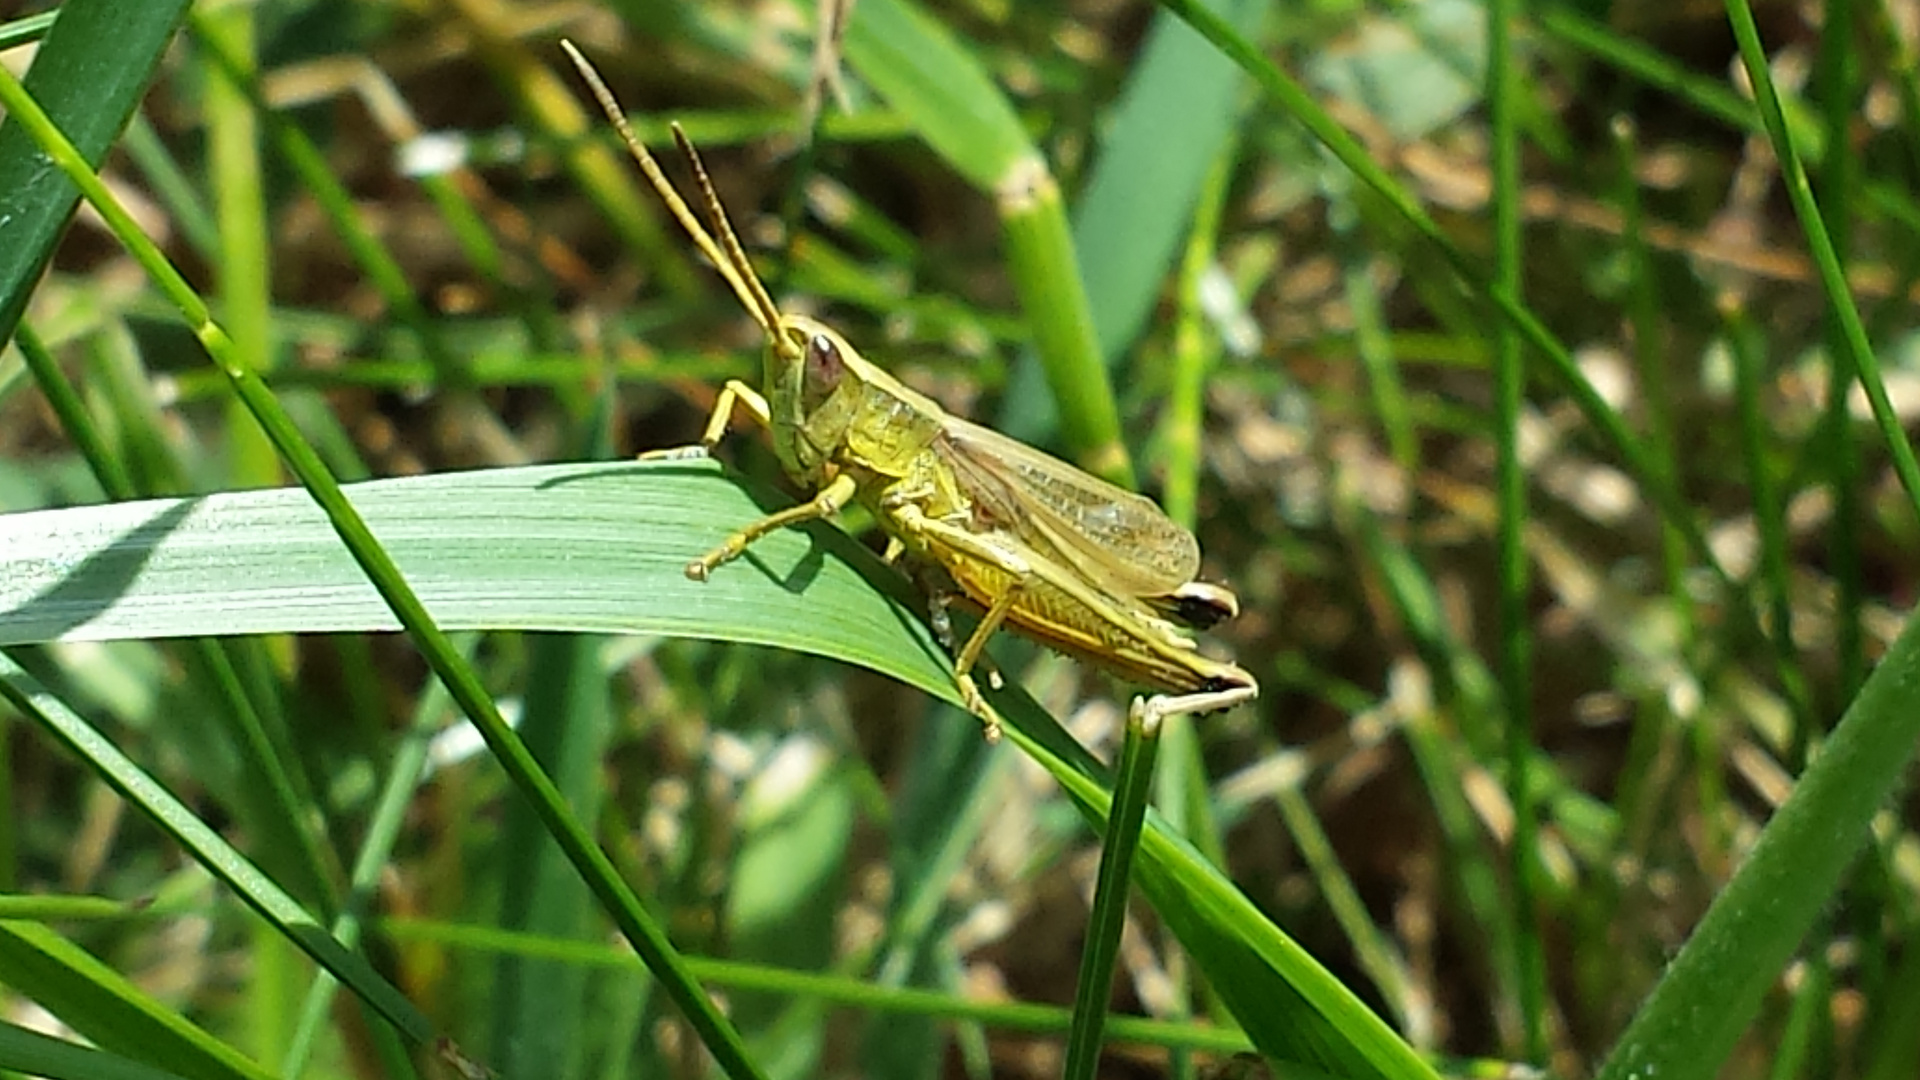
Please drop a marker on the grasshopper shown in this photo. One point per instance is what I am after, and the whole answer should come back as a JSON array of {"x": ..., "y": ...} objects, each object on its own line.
[{"x": 1024, "y": 539}]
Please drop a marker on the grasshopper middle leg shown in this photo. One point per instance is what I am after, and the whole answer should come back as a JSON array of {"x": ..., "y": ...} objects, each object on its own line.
[{"x": 940, "y": 592}]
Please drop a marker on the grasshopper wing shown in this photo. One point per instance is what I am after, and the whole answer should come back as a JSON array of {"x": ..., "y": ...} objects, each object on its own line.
[{"x": 1113, "y": 537}]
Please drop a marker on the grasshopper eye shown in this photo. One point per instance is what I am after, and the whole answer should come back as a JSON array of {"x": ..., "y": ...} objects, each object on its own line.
[
  {"x": 822, "y": 368},
  {"x": 824, "y": 364},
  {"x": 823, "y": 357}
]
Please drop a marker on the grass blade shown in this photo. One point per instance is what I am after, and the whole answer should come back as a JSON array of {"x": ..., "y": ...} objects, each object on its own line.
[
  {"x": 1714, "y": 986},
  {"x": 400, "y": 598},
  {"x": 1132, "y": 790},
  {"x": 90, "y": 70},
  {"x": 110, "y": 1010},
  {"x": 259, "y": 891},
  {"x": 601, "y": 547},
  {"x": 918, "y": 67}
]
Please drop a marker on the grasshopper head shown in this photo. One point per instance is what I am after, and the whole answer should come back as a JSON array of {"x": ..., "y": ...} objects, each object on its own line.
[
  {"x": 821, "y": 358},
  {"x": 805, "y": 360}
]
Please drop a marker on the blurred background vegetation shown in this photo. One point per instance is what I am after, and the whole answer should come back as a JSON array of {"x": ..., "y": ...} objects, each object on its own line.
[{"x": 1538, "y": 457}]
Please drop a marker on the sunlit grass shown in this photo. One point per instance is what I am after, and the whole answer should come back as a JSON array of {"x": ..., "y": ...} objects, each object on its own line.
[{"x": 1254, "y": 267}]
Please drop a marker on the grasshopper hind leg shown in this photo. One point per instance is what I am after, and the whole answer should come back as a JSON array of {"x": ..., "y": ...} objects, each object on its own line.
[
  {"x": 1149, "y": 712},
  {"x": 939, "y": 618},
  {"x": 941, "y": 592}
]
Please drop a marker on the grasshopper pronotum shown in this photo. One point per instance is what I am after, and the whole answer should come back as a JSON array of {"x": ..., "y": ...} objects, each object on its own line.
[{"x": 1031, "y": 542}]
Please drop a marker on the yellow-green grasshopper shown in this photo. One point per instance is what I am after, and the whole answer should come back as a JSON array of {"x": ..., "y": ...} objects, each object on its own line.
[{"x": 1029, "y": 541}]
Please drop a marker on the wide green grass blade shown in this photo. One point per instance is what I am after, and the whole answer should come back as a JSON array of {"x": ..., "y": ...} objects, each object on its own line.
[
  {"x": 90, "y": 71},
  {"x": 597, "y": 546},
  {"x": 602, "y": 547}
]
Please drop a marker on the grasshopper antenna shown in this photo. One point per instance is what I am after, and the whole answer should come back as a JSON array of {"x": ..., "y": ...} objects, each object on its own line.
[
  {"x": 731, "y": 260},
  {"x": 769, "y": 315}
]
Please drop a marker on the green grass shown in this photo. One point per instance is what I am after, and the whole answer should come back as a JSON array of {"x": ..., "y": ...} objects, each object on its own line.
[{"x": 1573, "y": 581}]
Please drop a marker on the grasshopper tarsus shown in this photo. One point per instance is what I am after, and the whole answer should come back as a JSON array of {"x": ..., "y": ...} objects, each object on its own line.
[
  {"x": 1151, "y": 712},
  {"x": 677, "y": 453},
  {"x": 732, "y": 548},
  {"x": 940, "y": 619},
  {"x": 976, "y": 703}
]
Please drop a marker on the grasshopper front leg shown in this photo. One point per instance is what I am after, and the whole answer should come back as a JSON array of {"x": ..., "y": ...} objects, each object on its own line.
[
  {"x": 831, "y": 500},
  {"x": 733, "y": 394}
]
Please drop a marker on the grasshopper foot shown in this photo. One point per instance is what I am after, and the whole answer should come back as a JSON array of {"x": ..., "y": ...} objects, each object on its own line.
[
  {"x": 677, "y": 453},
  {"x": 976, "y": 704},
  {"x": 703, "y": 567},
  {"x": 1147, "y": 714},
  {"x": 1150, "y": 712}
]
